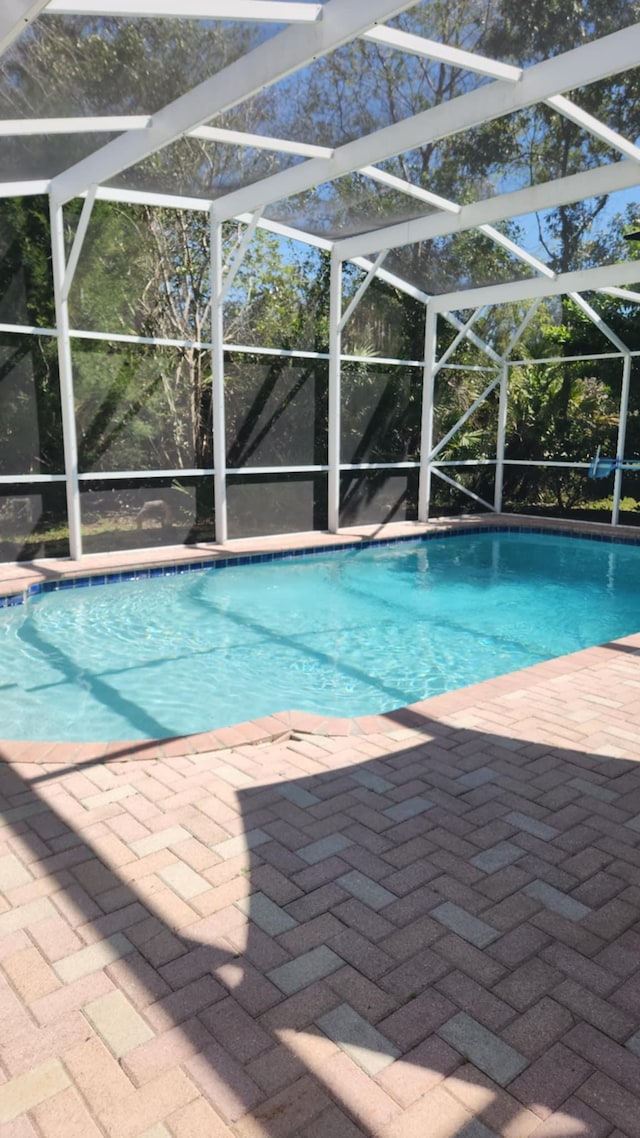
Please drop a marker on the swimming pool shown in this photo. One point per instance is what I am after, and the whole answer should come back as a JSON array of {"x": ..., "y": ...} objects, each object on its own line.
[{"x": 347, "y": 633}]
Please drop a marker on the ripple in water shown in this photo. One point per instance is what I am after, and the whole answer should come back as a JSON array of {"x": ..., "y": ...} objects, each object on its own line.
[{"x": 352, "y": 633}]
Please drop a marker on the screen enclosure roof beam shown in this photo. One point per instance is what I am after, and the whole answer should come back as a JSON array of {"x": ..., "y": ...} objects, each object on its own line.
[
  {"x": 14, "y": 17},
  {"x": 448, "y": 206},
  {"x": 275, "y": 11},
  {"x": 582, "y": 280},
  {"x": 622, "y": 294},
  {"x": 296, "y": 47},
  {"x": 577, "y": 68},
  {"x": 14, "y": 128},
  {"x": 594, "y": 126},
  {"x": 259, "y": 142},
  {"x": 600, "y": 180},
  {"x": 443, "y": 53},
  {"x": 24, "y": 189},
  {"x": 598, "y": 321}
]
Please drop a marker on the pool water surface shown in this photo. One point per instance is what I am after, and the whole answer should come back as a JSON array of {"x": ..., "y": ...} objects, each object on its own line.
[{"x": 352, "y": 633}]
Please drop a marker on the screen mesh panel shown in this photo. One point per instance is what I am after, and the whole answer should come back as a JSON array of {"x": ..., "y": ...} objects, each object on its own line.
[
  {"x": 279, "y": 297},
  {"x": 531, "y": 33},
  {"x": 276, "y": 412},
  {"x": 33, "y": 521},
  {"x": 143, "y": 271},
  {"x": 526, "y": 148},
  {"x": 455, "y": 392},
  {"x": 449, "y": 501},
  {"x": 143, "y": 514},
  {"x": 197, "y": 168},
  {"x": 564, "y": 411},
  {"x": 43, "y": 156},
  {"x": 143, "y": 391},
  {"x": 556, "y": 492},
  {"x": 142, "y": 408},
  {"x": 134, "y": 256},
  {"x": 30, "y": 412},
  {"x": 26, "y": 283},
  {"x": 381, "y": 409},
  {"x": 106, "y": 66},
  {"x": 459, "y": 261},
  {"x": 355, "y": 90},
  {"x": 629, "y": 500},
  {"x": 375, "y": 497},
  {"x": 348, "y": 206},
  {"x": 287, "y": 503},
  {"x": 386, "y": 322},
  {"x": 584, "y": 234}
]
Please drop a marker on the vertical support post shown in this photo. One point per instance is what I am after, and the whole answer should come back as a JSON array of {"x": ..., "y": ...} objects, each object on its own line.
[
  {"x": 335, "y": 342},
  {"x": 426, "y": 429},
  {"x": 217, "y": 381},
  {"x": 502, "y": 430},
  {"x": 69, "y": 436},
  {"x": 622, "y": 434}
]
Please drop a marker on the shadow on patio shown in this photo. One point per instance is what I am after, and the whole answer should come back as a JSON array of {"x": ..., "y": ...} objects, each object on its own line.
[{"x": 324, "y": 937}]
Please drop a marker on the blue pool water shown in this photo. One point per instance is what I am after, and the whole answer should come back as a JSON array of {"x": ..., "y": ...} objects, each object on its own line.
[{"x": 348, "y": 633}]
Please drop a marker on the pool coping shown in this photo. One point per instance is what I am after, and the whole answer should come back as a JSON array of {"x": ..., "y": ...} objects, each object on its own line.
[
  {"x": 37, "y": 577},
  {"x": 21, "y": 580}
]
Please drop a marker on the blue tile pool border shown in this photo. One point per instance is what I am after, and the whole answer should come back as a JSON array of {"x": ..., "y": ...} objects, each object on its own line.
[{"x": 10, "y": 600}]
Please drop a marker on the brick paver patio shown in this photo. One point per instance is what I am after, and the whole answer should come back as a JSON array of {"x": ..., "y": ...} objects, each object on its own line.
[
  {"x": 425, "y": 930},
  {"x": 417, "y": 924}
]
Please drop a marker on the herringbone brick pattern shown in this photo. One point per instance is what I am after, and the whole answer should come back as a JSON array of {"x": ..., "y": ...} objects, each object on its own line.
[{"x": 429, "y": 931}]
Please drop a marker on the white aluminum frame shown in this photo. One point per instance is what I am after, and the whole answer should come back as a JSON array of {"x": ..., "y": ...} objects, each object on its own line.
[
  {"x": 426, "y": 427},
  {"x": 263, "y": 11},
  {"x": 622, "y": 432},
  {"x": 15, "y": 16},
  {"x": 107, "y": 124},
  {"x": 290, "y": 50},
  {"x": 430, "y": 452},
  {"x": 596, "y": 182},
  {"x": 321, "y": 29},
  {"x": 484, "y": 395},
  {"x": 217, "y": 379},
  {"x": 502, "y": 432},
  {"x": 443, "y": 53},
  {"x": 427, "y": 466},
  {"x": 335, "y": 393},
  {"x": 579, "y": 67},
  {"x": 70, "y": 442}
]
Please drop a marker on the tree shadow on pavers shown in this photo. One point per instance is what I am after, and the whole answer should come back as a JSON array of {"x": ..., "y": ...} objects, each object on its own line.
[{"x": 396, "y": 946}]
